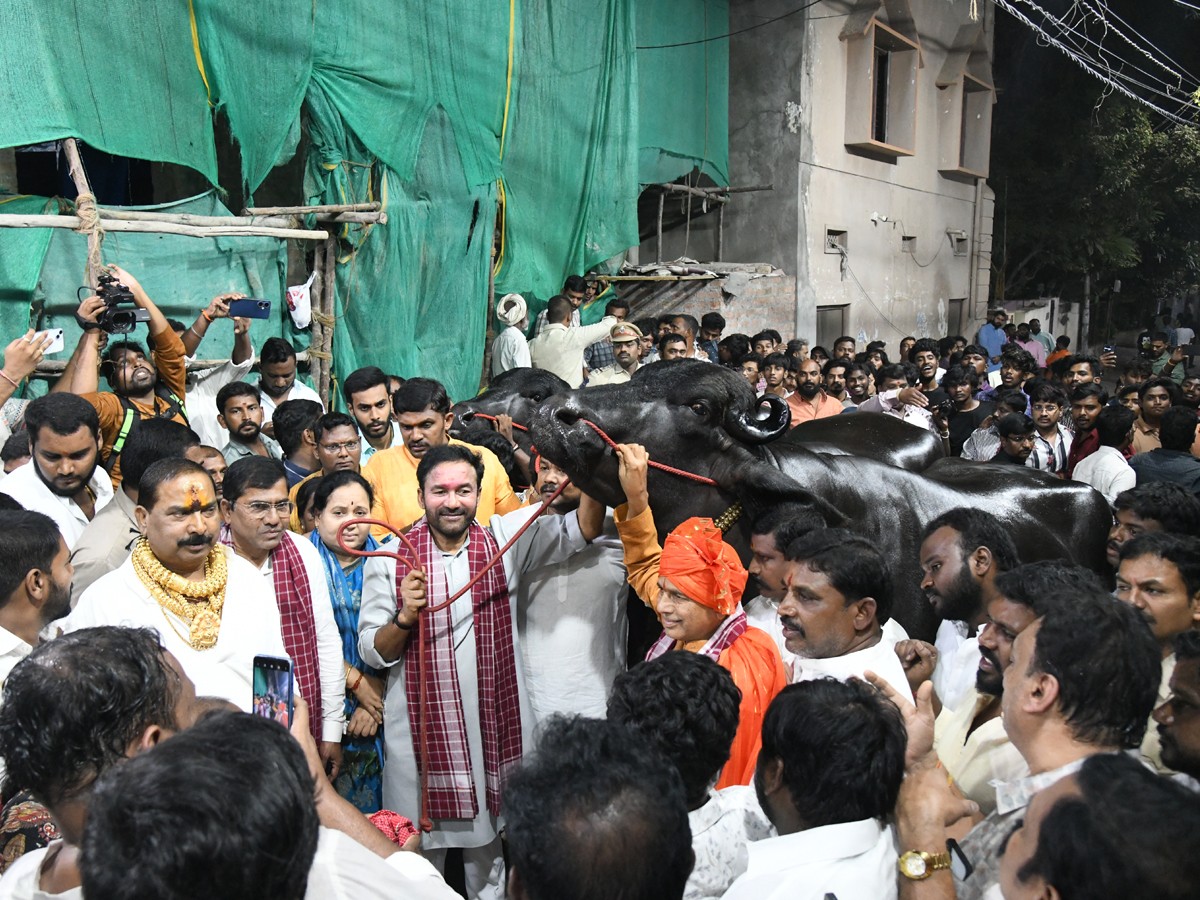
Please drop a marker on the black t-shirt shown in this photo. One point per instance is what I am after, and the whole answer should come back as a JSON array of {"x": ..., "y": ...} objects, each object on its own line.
[{"x": 963, "y": 423}]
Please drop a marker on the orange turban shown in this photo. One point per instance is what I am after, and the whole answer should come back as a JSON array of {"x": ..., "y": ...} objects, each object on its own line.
[{"x": 703, "y": 566}]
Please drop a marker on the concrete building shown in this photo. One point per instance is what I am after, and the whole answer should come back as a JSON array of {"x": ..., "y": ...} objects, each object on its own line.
[{"x": 872, "y": 121}]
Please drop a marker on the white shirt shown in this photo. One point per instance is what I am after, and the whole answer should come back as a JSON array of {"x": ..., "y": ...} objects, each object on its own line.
[
  {"x": 342, "y": 869},
  {"x": 853, "y": 860},
  {"x": 1107, "y": 470},
  {"x": 559, "y": 349},
  {"x": 958, "y": 661},
  {"x": 25, "y": 486},
  {"x": 12, "y": 651},
  {"x": 249, "y": 626},
  {"x": 510, "y": 350},
  {"x": 549, "y": 539},
  {"x": 201, "y": 398},
  {"x": 889, "y": 404},
  {"x": 880, "y": 659},
  {"x": 329, "y": 639},
  {"x": 298, "y": 391},
  {"x": 763, "y": 612},
  {"x": 571, "y": 621},
  {"x": 721, "y": 830},
  {"x": 1184, "y": 335}
]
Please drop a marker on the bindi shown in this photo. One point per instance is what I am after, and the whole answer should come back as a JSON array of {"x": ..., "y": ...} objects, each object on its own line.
[{"x": 197, "y": 496}]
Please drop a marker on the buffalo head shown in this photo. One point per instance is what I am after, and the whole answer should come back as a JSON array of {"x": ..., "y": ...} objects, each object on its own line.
[
  {"x": 689, "y": 414},
  {"x": 516, "y": 393}
]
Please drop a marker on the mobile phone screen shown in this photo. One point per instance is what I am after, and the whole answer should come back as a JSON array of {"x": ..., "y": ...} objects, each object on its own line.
[{"x": 273, "y": 689}]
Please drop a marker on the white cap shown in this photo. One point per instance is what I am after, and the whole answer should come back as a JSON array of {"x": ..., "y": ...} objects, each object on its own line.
[{"x": 511, "y": 309}]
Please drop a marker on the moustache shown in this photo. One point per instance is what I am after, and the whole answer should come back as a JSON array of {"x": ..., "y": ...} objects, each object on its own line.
[
  {"x": 792, "y": 625},
  {"x": 195, "y": 540},
  {"x": 990, "y": 657}
]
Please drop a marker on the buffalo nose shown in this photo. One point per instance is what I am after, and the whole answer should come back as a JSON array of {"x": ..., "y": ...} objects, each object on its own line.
[{"x": 567, "y": 415}]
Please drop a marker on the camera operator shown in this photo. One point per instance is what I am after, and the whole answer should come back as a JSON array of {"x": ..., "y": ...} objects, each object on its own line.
[{"x": 141, "y": 389}]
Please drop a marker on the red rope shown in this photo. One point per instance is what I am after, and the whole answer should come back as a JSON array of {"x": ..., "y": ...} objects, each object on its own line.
[
  {"x": 654, "y": 465},
  {"x": 414, "y": 563},
  {"x": 516, "y": 425}
]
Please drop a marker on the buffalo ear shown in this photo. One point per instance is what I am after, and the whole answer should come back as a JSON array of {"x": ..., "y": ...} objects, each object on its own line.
[{"x": 760, "y": 486}]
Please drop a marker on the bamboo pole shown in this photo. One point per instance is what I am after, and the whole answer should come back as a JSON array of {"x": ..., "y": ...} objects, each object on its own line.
[
  {"x": 306, "y": 210},
  {"x": 330, "y": 303},
  {"x": 85, "y": 203},
  {"x": 318, "y": 320},
  {"x": 130, "y": 215},
  {"x": 75, "y": 223}
]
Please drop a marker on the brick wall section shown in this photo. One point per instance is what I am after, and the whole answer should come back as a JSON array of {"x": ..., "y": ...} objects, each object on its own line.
[{"x": 766, "y": 302}]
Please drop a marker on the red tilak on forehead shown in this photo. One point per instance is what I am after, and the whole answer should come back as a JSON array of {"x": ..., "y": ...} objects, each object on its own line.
[{"x": 199, "y": 497}]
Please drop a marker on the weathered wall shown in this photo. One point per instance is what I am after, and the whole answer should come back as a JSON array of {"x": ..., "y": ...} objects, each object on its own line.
[{"x": 764, "y": 302}]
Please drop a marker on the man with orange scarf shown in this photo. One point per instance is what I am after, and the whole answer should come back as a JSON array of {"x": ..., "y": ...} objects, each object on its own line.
[{"x": 694, "y": 583}]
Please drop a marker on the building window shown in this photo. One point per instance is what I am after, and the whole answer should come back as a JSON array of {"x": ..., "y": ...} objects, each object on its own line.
[
  {"x": 837, "y": 240},
  {"x": 831, "y": 325},
  {"x": 881, "y": 91},
  {"x": 908, "y": 244}
]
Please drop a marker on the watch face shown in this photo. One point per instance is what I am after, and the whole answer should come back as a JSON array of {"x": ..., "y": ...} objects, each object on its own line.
[{"x": 914, "y": 865}]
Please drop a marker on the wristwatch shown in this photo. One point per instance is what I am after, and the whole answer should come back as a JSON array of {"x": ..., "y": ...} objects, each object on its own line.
[
  {"x": 396, "y": 621},
  {"x": 917, "y": 865}
]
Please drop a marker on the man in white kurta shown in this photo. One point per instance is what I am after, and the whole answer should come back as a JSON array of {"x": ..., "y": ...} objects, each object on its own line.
[
  {"x": 27, "y": 487},
  {"x": 549, "y": 539}
]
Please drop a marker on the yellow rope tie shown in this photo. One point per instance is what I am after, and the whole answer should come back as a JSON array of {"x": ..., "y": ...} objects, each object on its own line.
[{"x": 90, "y": 223}]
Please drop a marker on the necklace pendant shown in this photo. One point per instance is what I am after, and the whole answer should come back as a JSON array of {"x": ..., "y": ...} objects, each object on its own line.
[{"x": 204, "y": 630}]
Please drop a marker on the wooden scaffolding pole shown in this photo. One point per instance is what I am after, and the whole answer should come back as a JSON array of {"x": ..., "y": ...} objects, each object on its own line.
[{"x": 85, "y": 204}]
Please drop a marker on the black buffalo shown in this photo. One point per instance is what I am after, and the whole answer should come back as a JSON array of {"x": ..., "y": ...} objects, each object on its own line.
[
  {"x": 519, "y": 392},
  {"x": 705, "y": 419}
]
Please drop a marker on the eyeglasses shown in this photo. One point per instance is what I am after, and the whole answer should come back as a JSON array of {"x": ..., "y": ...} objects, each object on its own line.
[
  {"x": 347, "y": 446},
  {"x": 259, "y": 509}
]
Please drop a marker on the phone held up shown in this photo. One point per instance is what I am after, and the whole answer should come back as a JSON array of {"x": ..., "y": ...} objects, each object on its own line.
[
  {"x": 273, "y": 689},
  {"x": 250, "y": 308}
]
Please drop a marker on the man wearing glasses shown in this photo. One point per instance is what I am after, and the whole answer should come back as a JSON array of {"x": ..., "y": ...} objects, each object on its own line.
[
  {"x": 338, "y": 448},
  {"x": 255, "y": 509}
]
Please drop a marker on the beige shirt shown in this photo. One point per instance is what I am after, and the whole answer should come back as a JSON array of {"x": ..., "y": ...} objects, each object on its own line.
[
  {"x": 559, "y": 349},
  {"x": 1151, "y": 749},
  {"x": 608, "y": 375},
  {"x": 1145, "y": 438},
  {"x": 974, "y": 761}
]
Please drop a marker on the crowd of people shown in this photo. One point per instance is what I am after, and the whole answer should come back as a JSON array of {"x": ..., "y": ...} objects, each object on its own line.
[{"x": 783, "y": 735}]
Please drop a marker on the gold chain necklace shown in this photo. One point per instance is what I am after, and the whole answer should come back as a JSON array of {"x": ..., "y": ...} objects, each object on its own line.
[{"x": 198, "y": 603}]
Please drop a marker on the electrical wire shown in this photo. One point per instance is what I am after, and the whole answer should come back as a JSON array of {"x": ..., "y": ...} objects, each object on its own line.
[{"x": 722, "y": 37}]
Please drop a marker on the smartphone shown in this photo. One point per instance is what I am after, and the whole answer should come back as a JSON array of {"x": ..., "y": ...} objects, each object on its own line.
[
  {"x": 1108, "y": 349},
  {"x": 250, "y": 308},
  {"x": 56, "y": 341},
  {"x": 273, "y": 689}
]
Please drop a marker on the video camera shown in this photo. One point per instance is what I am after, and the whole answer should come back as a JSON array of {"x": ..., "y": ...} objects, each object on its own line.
[{"x": 115, "y": 295}]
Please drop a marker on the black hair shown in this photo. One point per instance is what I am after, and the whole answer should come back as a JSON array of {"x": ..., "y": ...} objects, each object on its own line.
[
  {"x": 595, "y": 814},
  {"x": 686, "y": 707},
  {"x": 812, "y": 353},
  {"x": 237, "y": 389},
  {"x": 853, "y": 565},
  {"x": 1108, "y": 666},
  {"x": 107, "y": 367},
  {"x": 73, "y": 706},
  {"x": 670, "y": 338},
  {"x": 559, "y": 309},
  {"x": 896, "y": 371},
  {"x": 363, "y": 380},
  {"x": 448, "y": 453},
  {"x": 863, "y": 367},
  {"x": 485, "y": 436},
  {"x": 275, "y": 350},
  {"x": 292, "y": 418},
  {"x": 1017, "y": 357},
  {"x": 690, "y": 325},
  {"x": 978, "y": 528},
  {"x": 159, "y": 473},
  {"x": 1140, "y": 367},
  {"x": 260, "y": 847},
  {"x": 1014, "y": 424},
  {"x": 327, "y": 484},
  {"x": 648, "y": 327},
  {"x": 1177, "y": 431},
  {"x": 924, "y": 345},
  {"x": 1013, "y": 398},
  {"x": 419, "y": 394},
  {"x": 63, "y": 413},
  {"x": 712, "y": 321},
  {"x": 1160, "y": 336},
  {"x": 305, "y": 492},
  {"x": 1062, "y": 342},
  {"x": 1180, "y": 551},
  {"x": 1093, "y": 363},
  {"x": 1084, "y": 391},
  {"x": 974, "y": 350},
  {"x": 1113, "y": 424},
  {"x": 957, "y": 375},
  {"x": 152, "y": 440},
  {"x": 251, "y": 473},
  {"x": 16, "y": 446},
  {"x": 1171, "y": 505},
  {"x": 575, "y": 283},
  {"x": 767, "y": 334},
  {"x": 330, "y": 421},
  {"x": 1172, "y": 389},
  {"x": 615, "y": 304},
  {"x": 1187, "y": 645},
  {"x": 841, "y": 744},
  {"x": 1127, "y": 833},
  {"x": 1124, "y": 390},
  {"x": 1042, "y": 390},
  {"x": 787, "y": 522},
  {"x": 28, "y": 540},
  {"x": 787, "y": 363},
  {"x": 843, "y": 339},
  {"x": 836, "y": 363},
  {"x": 752, "y": 357},
  {"x": 738, "y": 346},
  {"x": 1040, "y": 585}
]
